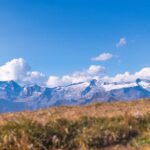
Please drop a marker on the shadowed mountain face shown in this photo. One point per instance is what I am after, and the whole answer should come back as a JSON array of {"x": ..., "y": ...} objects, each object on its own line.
[{"x": 14, "y": 97}]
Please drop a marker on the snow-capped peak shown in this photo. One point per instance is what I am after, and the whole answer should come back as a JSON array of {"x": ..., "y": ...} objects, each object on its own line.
[{"x": 35, "y": 96}]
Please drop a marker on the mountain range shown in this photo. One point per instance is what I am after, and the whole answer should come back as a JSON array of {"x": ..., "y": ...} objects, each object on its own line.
[{"x": 14, "y": 97}]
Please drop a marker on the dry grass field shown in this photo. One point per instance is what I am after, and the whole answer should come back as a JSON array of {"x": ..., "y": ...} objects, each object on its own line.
[{"x": 106, "y": 126}]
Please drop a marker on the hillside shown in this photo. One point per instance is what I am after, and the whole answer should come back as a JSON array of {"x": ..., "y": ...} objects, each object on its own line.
[{"x": 108, "y": 126}]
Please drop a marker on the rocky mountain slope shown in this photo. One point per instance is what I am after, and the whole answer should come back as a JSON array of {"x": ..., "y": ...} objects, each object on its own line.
[{"x": 14, "y": 97}]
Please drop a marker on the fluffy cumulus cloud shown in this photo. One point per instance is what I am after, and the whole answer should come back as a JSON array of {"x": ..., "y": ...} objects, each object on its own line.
[
  {"x": 144, "y": 74},
  {"x": 103, "y": 57},
  {"x": 19, "y": 70},
  {"x": 14, "y": 70},
  {"x": 34, "y": 77},
  {"x": 54, "y": 81},
  {"x": 120, "y": 78},
  {"x": 95, "y": 69},
  {"x": 121, "y": 42},
  {"x": 98, "y": 72},
  {"x": 93, "y": 72}
]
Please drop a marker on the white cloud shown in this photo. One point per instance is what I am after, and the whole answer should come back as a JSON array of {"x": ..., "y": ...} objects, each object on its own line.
[
  {"x": 103, "y": 57},
  {"x": 14, "y": 70},
  {"x": 144, "y": 73},
  {"x": 98, "y": 72},
  {"x": 121, "y": 42},
  {"x": 34, "y": 77},
  {"x": 95, "y": 69},
  {"x": 120, "y": 78},
  {"x": 93, "y": 72},
  {"x": 19, "y": 70},
  {"x": 53, "y": 81}
]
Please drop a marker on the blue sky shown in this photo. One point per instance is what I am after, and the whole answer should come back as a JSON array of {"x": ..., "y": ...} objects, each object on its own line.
[{"x": 61, "y": 36}]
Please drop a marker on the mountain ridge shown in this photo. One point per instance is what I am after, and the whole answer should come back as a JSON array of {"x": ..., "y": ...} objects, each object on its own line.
[{"x": 34, "y": 97}]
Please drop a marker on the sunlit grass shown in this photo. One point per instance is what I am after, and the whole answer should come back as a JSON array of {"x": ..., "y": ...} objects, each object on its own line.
[{"x": 50, "y": 130}]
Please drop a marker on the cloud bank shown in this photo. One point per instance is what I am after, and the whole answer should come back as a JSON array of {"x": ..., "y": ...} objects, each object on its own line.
[
  {"x": 144, "y": 74},
  {"x": 20, "y": 71},
  {"x": 93, "y": 72}
]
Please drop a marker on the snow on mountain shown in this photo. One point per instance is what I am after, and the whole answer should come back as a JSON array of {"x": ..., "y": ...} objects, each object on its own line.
[
  {"x": 129, "y": 93},
  {"x": 9, "y": 90},
  {"x": 144, "y": 83},
  {"x": 113, "y": 86},
  {"x": 14, "y": 97}
]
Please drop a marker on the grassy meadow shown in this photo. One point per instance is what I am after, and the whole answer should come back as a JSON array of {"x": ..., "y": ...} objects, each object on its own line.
[{"x": 99, "y": 126}]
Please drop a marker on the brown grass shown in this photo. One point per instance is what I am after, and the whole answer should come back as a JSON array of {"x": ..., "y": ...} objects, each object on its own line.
[
  {"x": 107, "y": 126},
  {"x": 75, "y": 112}
]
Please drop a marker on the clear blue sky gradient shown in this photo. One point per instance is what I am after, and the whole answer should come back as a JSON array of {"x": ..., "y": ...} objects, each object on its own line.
[{"x": 60, "y": 36}]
